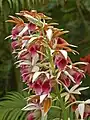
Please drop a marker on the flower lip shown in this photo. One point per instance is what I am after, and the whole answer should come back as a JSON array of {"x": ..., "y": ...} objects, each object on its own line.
[
  {"x": 30, "y": 116},
  {"x": 61, "y": 41},
  {"x": 76, "y": 74},
  {"x": 31, "y": 27},
  {"x": 33, "y": 49},
  {"x": 14, "y": 44},
  {"x": 41, "y": 87},
  {"x": 60, "y": 61},
  {"x": 16, "y": 30}
]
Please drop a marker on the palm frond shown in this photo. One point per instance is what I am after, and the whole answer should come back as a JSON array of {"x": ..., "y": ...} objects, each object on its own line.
[{"x": 11, "y": 105}]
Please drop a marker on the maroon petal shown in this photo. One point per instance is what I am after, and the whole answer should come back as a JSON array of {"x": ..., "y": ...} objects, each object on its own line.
[
  {"x": 32, "y": 26},
  {"x": 37, "y": 88},
  {"x": 32, "y": 49},
  {"x": 61, "y": 41},
  {"x": 26, "y": 77},
  {"x": 61, "y": 63},
  {"x": 67, "y": 82},
  {"x": 14, "y": 44},
  {"x": 77, "y": 77},
  {"x": 30, "y": 116},
  {"x": 24, "y": 55},
  {"x": 24, "y": 71},
  {"x": 15, "y": 32},
  {"x": 46, "y": 87}
]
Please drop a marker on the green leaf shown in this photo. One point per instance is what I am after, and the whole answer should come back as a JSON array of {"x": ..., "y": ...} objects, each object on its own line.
[
  {"x": 22, "y": 3},
  {"x": 52, "y": 114},
  {"x": 11, "y": 105}
]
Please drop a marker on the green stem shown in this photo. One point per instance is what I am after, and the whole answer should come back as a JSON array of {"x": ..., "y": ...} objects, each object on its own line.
[
  {"x": 49, "y": 53},
  {"x": 62, "y": 105},
  {"x": 52, "y": 65}
]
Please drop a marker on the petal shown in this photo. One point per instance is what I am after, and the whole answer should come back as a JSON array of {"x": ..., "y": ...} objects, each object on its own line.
[
  {"x": 35, "y": 58},
  {"x": 26, "y": 77},
  {"x": 49, "y": 34},
  {"x": 32, "y": 49},
  {"x": 66, "y": 81},
  {"x": 87, "y": 101},
  {"x": 37, "y": 88},
  {"x": 42, "y": 97},
  {"x": 23, "y": 31},
  {"x": 31, "y": 26},
  {"x": 77, "y": 77},
  {"x": 30, "y": 106},
  {"x": 74, "y": 87},
  {"x": 46, "y": 87},
  {"x": 81, "y": 108},
  {"x": 67, "y": 97},
  {"x": 14, "y": 44},
  {"x": 35, "y": 69},
  {"x": 36, "y": 75},
  {"x": 47, "y": 105},
  {"x": 68, "y": 74},
  {"x": 30, "y": 116},
  {"x": 61, "y": 41},
  {"x": 60, "y": 62},
  {"x": 77, "y": 113},
  {"x": 64, "y": 53},
  {"x": 33, "y": 20}
]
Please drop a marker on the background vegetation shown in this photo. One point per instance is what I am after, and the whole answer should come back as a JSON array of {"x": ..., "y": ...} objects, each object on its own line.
[{"x": 72, "y": 15}]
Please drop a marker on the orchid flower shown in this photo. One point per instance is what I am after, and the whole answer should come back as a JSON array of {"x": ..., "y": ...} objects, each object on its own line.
[
  {"x": 45, "y": 65},
  {"x": 81, "y": 109},
  {"x": 73, "y": 91},
  {"x": 31, "y": 116},
  {"x": 61, "y": 60}
]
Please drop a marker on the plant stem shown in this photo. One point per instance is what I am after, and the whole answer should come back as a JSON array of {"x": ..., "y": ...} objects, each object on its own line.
[{"x": 62, "y": 105}]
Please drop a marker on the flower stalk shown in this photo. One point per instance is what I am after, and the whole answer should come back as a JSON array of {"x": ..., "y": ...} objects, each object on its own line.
[{"x": 46, "y": 68}]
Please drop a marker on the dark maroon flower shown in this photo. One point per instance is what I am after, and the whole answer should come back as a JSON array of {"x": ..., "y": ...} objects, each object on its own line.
[
  {"x": 33, "y": 49},
  {"x": 61, "y": 60},
  {"x": 65, "y": 79},
  {"x": 26, "y": 77},
  {"x": 41, "y": 87},
  {"x": 25, "y": 73},
  {"x": 16, "y": 30},
  {"x": 77, "y": 75},
  {"x": 30, "y": 116},
  {"x": 14, "y": 44},
  {"x": 24, "y": 55},
  {"x": 31, "y": 27},
  {"x": 61, "y": 63},
  {"x": 61, "y": 41},
  {"x": 46, "y": 87}
]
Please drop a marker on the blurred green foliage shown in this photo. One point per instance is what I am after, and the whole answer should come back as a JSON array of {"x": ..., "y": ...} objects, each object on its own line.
[
  {"x": 11, "y": 105},
  {"x": 72, "y": 15}
]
